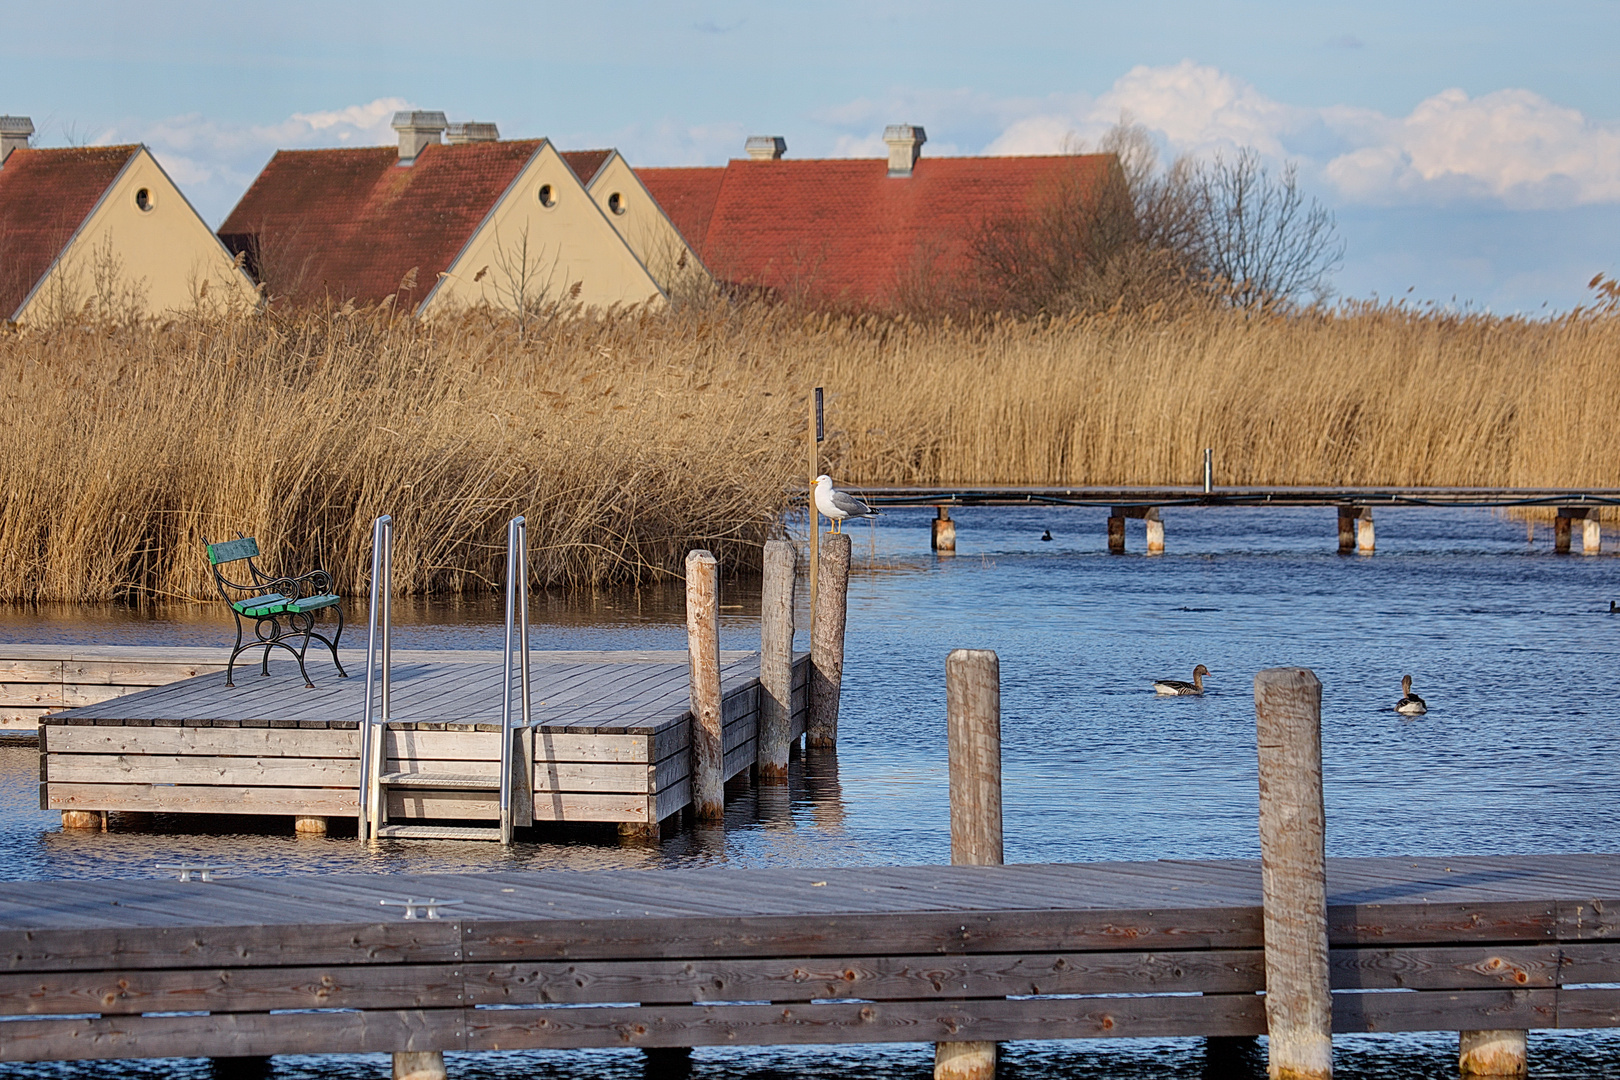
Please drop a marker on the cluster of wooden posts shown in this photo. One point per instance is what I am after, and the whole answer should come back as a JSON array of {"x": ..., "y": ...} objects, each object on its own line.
[{"x": 827, "y": 624}]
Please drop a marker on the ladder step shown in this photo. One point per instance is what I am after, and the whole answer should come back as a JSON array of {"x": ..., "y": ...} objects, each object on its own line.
[
  {"x": 439, "y": 832},
  {"x": 464, "y": 781}
]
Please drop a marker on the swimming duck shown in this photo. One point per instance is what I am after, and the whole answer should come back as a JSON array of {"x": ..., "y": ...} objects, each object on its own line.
[
  {"x": 1047, "y": 535},
  {"x": 1410, "y": 704},
  {"x": 1177, "y": 688}
]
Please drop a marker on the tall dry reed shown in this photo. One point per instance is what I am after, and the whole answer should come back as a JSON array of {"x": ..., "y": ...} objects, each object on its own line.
[{"x": 627, "y": 440}]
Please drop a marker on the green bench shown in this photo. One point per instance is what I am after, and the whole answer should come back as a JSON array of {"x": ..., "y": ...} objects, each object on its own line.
[{"x": 283, "y": 609}]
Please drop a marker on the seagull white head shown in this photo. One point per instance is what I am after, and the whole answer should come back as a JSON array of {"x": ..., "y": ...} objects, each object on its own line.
[{"x": 823, "y": 481}]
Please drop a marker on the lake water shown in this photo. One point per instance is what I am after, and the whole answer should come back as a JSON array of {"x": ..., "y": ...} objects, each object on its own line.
[{"x": 1514, "y": 649}]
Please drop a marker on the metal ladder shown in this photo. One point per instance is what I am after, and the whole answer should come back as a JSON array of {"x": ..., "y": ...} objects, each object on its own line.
[{"x": 375, "y": 783}]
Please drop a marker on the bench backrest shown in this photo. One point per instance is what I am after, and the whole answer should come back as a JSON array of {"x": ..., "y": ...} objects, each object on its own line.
[{"x": 231, "y": 550}]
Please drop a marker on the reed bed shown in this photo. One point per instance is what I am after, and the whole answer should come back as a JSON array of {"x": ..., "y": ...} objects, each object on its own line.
[{"x": 629, "y": 439}]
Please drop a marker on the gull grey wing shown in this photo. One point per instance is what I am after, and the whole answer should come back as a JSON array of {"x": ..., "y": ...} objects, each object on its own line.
[{"x": 852, "y": 506}]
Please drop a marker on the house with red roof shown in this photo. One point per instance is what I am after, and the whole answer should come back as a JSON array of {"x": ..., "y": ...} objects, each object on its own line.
[
  {"x": 861, "y": 232},
  {"x": 102, "y": 232},
  {"x": 438, "y": 226}
]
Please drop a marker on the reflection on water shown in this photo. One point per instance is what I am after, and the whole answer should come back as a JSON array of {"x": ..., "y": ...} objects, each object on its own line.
[{"x": 1512, "y": 646}]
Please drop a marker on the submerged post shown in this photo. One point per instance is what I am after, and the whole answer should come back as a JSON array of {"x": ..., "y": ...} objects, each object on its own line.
[
  {"x": 1591, "y": 535},
  {"x": 1498, "y": 1055},
  {"x": 827, "y": 641},
  {"x": 973, "y": 735},
  {"x": 1293, "y": 874},
  {"x": 1155, "y": 530},
  {"x": 703, "y": 653},
  {"x": 944, "y": 532},
  {"x": 1347, "y": 528},
  {"x": 1116, "y": 532},
  {"x": 776, "y": 659},
  {"x": 1561, "y": 529}
]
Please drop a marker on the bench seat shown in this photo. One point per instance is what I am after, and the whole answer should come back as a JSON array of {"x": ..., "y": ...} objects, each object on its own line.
[{"x": 258, "y": 607}]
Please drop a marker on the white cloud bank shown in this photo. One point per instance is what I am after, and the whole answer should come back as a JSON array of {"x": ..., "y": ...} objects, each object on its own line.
[{"x": 1512, "y": 147}]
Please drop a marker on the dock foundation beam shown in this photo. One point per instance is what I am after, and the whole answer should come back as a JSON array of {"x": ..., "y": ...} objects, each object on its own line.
[
  {"x": 666, "y": 1062},
  {"x": 307, "y": 825},
  {"x": 1149, "y": 515},
  {"x": 81, "y": 819},
  {"x": 419, "y": 1065},
  {"x": 1498, "y": 1055},
  {"x": 1591, "y": 530},
  {"x": 944, "y": 534},
  {"x": 1356, "y": 529}
]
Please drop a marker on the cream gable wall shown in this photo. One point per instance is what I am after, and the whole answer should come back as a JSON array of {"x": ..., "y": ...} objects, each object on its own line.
[
  {"x": 646, "y": 228},
  {"x": 156, "y": 260},
  {"x": 566, "y": 244}
]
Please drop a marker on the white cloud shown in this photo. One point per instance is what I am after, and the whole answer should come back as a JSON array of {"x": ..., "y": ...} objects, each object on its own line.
[
  {"x": 214, "y": 161},
  {"x": 1512, "y": 148}
]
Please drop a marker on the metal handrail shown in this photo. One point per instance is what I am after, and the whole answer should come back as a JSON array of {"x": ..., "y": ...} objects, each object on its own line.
[
  {"x": 517, "y": 603},
  {"x": 379, "y": 638}
]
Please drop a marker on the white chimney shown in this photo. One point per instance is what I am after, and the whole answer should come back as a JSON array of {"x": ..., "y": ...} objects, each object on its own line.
[
  {"x": 14, "y": 132},
  {"x": 471, "y": 132},
  {"x": 905, "y": 147},
  {"x": 417, "y": 131},
  {"x": 765, "y": 147}
]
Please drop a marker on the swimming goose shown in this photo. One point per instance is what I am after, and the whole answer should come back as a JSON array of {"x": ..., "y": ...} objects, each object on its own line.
[
  {"x": 1410, "y": 704},
  {"x": 1177, "y": 688},
  {"x": 838, "y": 505}
]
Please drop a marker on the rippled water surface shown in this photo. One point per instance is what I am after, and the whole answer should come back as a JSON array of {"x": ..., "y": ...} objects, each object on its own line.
[{"x": 1512, "y": 646}]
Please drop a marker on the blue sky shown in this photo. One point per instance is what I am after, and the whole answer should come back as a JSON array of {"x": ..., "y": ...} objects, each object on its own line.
[{"x": 1469, "y": 150}]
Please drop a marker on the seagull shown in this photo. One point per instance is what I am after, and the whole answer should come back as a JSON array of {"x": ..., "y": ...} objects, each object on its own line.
[
  {"x": 837, "y": 505},
  {"x": 1177, "y": 688},
  {"x": 1410, "y": 704}
]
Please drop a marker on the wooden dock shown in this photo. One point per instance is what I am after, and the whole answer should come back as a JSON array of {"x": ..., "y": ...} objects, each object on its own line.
[
  {"x": 1236, "y": 495},
  {"x": 153, "y": 968},
  {"x": 1354, "y": 505},
  {"x": 609, "y": 740}
]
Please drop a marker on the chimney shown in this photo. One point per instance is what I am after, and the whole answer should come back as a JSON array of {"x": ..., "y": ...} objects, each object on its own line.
[
  {"x": 905, "y": 147},
  {"x": 765, "y": 147},
  {"x": 470, "y": 132},
  {"x": 14, "y": 132},
  {"x": 417, "y": 130}
]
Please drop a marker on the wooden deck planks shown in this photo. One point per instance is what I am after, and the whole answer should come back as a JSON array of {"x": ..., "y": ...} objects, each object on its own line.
[
  {"x": 857, "y": 954},
  {"x": 200, "y": 747}
]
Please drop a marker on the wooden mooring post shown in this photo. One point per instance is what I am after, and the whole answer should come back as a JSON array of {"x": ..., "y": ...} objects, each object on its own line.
[
  {"x": 827, "y": 641},
  {"x": 776, "y": 660},
  {"x": 703, "y": 655},
  {"x": 973, "y": 736},
  {"x": 1293, "y": 874}
]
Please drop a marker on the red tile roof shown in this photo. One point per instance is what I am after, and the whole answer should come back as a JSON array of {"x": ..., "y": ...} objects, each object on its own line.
[
  {"x": 586, "y": 163},
  {"x": 352, "y": 223},
  {"x": 844, "y": 230},
  {"x": 45, "y": 195}
]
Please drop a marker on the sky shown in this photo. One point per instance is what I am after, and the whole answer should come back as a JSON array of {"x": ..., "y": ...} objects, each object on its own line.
[{"x": 1470, "y": 151}]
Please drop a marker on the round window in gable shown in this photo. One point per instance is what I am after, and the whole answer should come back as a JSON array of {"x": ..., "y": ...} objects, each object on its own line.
[
  {"x": 144, "y": 201},
  {"x": 548, "y": 196},
  {"x": 616, "y": 203}
]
